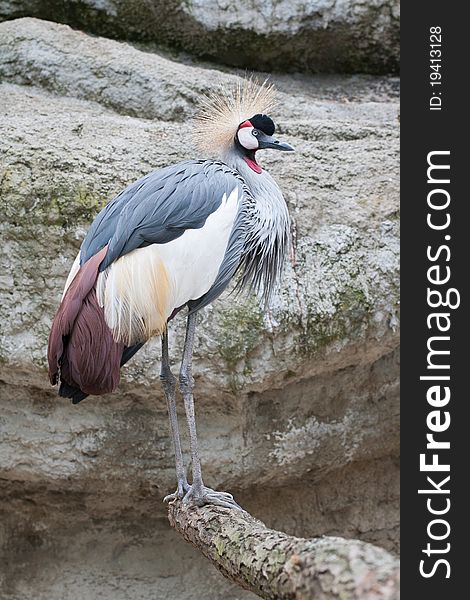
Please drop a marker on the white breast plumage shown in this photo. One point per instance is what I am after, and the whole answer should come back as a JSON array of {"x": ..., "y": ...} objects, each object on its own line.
[{"x": 140, "y": 290}]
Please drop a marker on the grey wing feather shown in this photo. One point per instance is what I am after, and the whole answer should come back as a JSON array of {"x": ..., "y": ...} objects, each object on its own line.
[
  {"x": 104, "y": 224},
  {"x": 159, "y": 208}
]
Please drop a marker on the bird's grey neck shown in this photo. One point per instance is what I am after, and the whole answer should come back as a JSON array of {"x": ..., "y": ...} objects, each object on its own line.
[
  {"x": 268, "y": 230},
  {"x": 261, "y": 185}
]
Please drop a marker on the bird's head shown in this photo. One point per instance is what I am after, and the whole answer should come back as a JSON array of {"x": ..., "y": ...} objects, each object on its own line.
[
  {"x": 234, "y": 123},
  {"x": 256, "y": 134}
]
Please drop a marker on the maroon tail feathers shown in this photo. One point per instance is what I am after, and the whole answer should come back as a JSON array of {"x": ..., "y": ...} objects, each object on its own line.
[{"x": 83, "y": 356}]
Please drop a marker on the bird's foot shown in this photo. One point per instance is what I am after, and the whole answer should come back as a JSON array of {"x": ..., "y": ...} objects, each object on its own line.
[
  {"x": 209, "y": 496},
  {"x": 182, "y": 489}
]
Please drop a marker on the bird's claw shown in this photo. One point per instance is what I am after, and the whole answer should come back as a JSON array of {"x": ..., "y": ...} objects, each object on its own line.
[
  {"x": 210, "y": 496},
  {"x": 171, "y": 498},
  {"x": 182, "y": 489}
]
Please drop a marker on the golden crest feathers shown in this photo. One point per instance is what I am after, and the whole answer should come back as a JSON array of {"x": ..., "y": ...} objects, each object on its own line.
[{"x": 222, "y": 111}]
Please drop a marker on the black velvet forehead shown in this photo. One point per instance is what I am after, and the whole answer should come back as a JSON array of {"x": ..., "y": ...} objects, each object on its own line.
[{"x": 264, "y": 123}]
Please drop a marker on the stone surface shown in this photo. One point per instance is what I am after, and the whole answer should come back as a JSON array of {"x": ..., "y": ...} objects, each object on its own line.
[
  {"x": 297, "y": 410},
  {"x": 286, "y": 35}
]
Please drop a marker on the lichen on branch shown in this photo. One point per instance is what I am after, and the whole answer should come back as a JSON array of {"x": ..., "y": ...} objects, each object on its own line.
[{"x": 278, "y": 566}]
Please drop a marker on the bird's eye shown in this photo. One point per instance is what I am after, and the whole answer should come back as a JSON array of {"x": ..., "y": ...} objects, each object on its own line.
[{"x": 255, "y": 132}]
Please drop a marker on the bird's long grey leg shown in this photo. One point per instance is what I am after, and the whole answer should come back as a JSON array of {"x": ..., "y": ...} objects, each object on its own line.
[
  {"x": 186, "y": 387},
  {"x": 198, "y": 493},
  {"x": 169, "y": 387}
]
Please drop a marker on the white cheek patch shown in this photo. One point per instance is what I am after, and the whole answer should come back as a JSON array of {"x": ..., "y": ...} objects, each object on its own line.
[{"x": 247, "y": 139}]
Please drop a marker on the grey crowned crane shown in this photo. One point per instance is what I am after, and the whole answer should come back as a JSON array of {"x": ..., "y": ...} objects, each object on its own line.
[{"x": 174, "y": 239}]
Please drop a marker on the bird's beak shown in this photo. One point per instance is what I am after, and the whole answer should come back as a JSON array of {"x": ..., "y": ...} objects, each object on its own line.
[{"x": 267, "y": 141}]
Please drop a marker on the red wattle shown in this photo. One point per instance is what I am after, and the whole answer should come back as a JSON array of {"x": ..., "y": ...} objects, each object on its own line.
[
  {"x": 253, "y": 165},
  {"x": 245, "y": 124}
]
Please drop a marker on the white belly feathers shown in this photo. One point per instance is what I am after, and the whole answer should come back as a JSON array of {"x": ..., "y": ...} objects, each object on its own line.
[{"x": 140, "y": 290}]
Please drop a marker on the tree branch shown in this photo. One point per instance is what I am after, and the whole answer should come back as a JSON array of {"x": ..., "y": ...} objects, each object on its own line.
[{"x": 278, "y": 566}]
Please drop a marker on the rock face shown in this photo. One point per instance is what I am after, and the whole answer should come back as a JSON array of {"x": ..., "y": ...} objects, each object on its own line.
[
  {"x": 297, "y": 410},
  {"x": 294, "y": 35}
]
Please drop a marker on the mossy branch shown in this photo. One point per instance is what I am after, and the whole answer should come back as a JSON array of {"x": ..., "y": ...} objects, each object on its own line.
[{"x": 278, "y": 566}]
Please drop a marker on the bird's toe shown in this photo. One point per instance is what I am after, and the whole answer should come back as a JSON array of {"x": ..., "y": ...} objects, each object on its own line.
[
  {"x": 210, "y": 496},
  {"x": 218, "y": 499},
  {"x": 170, "y": 498},
  {"x": 225, "y": 495},
  {"x": 182, "y": 489}
]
